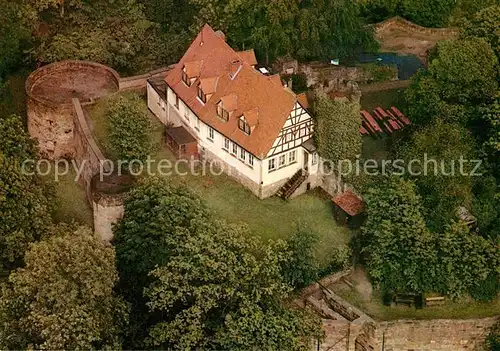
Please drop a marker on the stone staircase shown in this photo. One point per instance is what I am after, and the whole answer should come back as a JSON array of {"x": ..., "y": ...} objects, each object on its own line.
[{"x": 292, "y": 184}]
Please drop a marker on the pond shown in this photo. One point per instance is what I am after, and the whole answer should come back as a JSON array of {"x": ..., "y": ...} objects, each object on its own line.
[{"x": 407, "y": 65}]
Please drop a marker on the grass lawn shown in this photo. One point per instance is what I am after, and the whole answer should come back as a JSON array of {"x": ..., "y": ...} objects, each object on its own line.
[
  {"x": 384, "y": 99},
  {"x": 462, "y": 309},
  {"x": 71, "y": 201},
  {"x": 272, "y": 218}
]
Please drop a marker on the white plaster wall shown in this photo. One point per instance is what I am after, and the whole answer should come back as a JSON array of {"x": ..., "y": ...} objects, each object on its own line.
[
  {"x": 156, "y": 104},
  {"x": 184, "y": 116}
]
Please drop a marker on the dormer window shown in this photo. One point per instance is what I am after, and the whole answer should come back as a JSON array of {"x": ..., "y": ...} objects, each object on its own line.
[
  {"x": 222, "y": 113},
  {"x": 185, "y": 78},
  {"x": 201, "y": 95},
  {"x": 243, "y": 125}
]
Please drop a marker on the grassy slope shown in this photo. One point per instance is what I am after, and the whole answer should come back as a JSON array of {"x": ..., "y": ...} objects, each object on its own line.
[{"x": 463, "y": 309}]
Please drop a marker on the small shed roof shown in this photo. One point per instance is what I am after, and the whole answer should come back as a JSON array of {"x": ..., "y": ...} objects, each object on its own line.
[
  {"x": 350, "y": 203},
  {"x": 181, "y": 136},
  {"x": 309, "y": 145}
]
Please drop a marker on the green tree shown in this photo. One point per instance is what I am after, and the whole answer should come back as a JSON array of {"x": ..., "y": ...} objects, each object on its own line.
[
  {"x": 465, "y": 260},
  {"x": 129, "y": 127},
  {"x": 462, "y": 74},
  {"x": 145, "y": 238},
  {"x": 63, "y": 298},
  {"x": 493, "y": 339},
  {"x": 397, "y": 241},
  {"x": 486, "y": 24},
  {"x": 445, "y": 182},
  {"x": 428, "y": 13},
  {"x": 302, "y": 268},
  {"x": 24, "y": 200},
  {"x": 222, "y": 290},
  {"x": 338, "y": 124},
  {"x": 12, "y": 38},
  {"x": 331, "y": 28}
]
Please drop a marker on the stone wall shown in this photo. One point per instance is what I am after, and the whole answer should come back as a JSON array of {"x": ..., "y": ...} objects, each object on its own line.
[
  {"x": 403, "y": 23},
  {"x": 138, "y": 83},
  {"x": 433, "y": 335}
]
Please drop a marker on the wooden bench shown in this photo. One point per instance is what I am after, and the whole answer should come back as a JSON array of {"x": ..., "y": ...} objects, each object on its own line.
[
  {"x": 434, "y": 301},
  {"x": 405, "y": 300}
]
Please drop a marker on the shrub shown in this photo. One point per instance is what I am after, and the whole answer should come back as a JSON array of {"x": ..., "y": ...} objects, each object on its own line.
[
  {"x": 129, "y": 128},
  {"x": 379, "y": 73}
]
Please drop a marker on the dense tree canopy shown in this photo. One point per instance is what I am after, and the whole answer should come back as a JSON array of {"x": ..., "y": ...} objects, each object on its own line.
[
  {"x": 461, "y": 75},
  {"x": 222, "y": 290},
  {"x": 210, "y": 284},
  {"x": 337, "y": 133},
  {"x": 397, "y": 240},
  {"x": 63, "y": 298},
  {"x": 439, "y": 149},
  {"x": 129, "y": 127},
  {"x": 24, "y": 200},
  {"x": 486, "y": 24}
]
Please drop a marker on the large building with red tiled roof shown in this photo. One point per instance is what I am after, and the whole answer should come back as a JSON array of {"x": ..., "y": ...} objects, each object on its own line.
[{"x": 248, "y": 122}]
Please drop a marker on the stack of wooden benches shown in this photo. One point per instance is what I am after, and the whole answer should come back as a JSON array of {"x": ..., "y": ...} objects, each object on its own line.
[{"x": 382, "y": 121}]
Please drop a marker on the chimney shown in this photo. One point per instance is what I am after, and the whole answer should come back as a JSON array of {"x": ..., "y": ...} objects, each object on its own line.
[
  {"x": 235, "y": 68},
  {"x": 221, "y": 35},
  {"x": 290, "y": 82}
]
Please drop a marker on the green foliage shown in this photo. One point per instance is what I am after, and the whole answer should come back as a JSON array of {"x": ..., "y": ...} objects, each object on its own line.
[
  {"x": 114, "y": 33},
  {"x": 486, "y": 24},
  {"x": 465, "y": 260},
  {"x": 397, "y": 241},
  {"x": 285, "y": 27},
  {"x": 12, "y": 37},
  {"x": 302, "y": 268},
  {"x": 63, "y": 298},
  {"x": 331, "y": 29},
  {"x": 129, "y": 127},
  {"x": 493, "y": 339},
  {"x": 145, "y": 237},
  {"x": 222, "y": 290},
  {"x": 465, "y": 70},
  {"x": 427, "y": 13},
  {"x": 337, "y": 133},
  {"x": 299, "y": 82},
  {"x": 445, "y": 182},
  {"x": 24, "y": 201},
  {"x": 211, "y": 285},
  {"x": 379, "y": 73}
]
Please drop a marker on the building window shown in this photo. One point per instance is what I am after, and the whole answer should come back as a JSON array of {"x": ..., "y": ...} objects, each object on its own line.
[
  {"x": 250, "y": 160},
  {"x": 201, "y": 95},
  {"x": 282, "y": 161},
  {"x": 292, "y": 157},
  {"x": 242, "y": 154},
  {"x": 234, "y": 151},
  {"x": 288, "y": 136},
  {"x": 222, "y": 113},
  {"x": 303, "y": 132},
  {"x": 186, "y": 79},
  {"x": 226, "y": 144},
  {"x": 211, "y": 134},
  {"x": 176, "y": 102},
  {"x": 271, "y": 165},
  {"x": 244, "y": 126},
  {"x": 314, "y": 158}
]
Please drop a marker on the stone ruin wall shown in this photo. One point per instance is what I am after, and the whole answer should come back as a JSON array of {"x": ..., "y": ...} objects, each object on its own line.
[
  {"x": 348, "y": 328},
  {"x": 398, "y": 21},
  {"x": 358, "y": 332}
]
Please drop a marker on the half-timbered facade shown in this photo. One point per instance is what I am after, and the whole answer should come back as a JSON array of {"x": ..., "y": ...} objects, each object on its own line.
[{"x": 256, "y": 129}]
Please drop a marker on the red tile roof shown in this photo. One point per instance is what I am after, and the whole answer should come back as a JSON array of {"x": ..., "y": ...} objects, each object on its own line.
[
  {"x": 246, "y": 90},
  {"x": 303, "y": 101},
  {"x": 248, "y": 56},
  {"x": 349, "y": 203}
]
